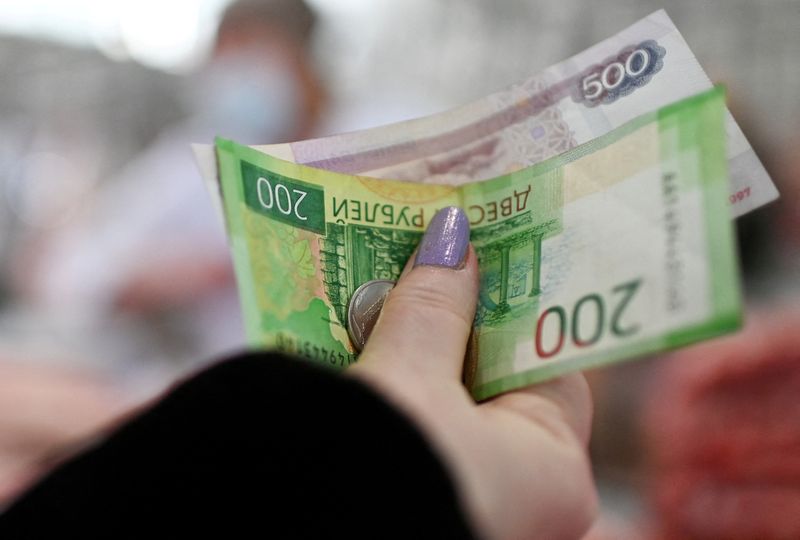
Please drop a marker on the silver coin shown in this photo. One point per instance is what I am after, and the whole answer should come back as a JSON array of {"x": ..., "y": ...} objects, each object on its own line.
[{"x": 363, "y": 310}]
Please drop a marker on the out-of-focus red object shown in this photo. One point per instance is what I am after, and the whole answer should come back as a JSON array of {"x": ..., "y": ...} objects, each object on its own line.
[{"x": 722, "y": 426}]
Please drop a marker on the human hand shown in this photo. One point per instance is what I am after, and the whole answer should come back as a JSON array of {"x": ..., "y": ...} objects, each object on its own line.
[
  {"x": 46, "y": 414},
  {"x": 518, "y": 460},
  {"x": 172, "y": 279}
]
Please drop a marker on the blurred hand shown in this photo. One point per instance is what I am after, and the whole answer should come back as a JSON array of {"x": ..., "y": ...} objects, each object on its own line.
[
  {"x": 45, "y": 415},
  {"x": 519, "y": 460},
  {"x": 173, "y": 280},
  {"x": 723, "y": 427}
]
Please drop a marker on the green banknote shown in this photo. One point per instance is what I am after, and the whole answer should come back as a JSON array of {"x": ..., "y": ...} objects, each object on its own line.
[{"x": 617, "y": 248}]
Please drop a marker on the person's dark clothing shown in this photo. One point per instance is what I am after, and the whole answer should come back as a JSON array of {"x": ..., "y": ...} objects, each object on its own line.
[{"x": 260, "y": 446}]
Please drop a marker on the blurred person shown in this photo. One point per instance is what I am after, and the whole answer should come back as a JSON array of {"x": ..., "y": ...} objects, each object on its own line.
[
  {"x": 393, "y": 447},
  {"x": 143, "y": 274},
  {"x": 149, "y": 243},
  {"x": 722, "y": 427}
]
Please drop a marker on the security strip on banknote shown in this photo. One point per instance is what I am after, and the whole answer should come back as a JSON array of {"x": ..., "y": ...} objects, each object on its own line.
[{"x": 618, "y": 247}]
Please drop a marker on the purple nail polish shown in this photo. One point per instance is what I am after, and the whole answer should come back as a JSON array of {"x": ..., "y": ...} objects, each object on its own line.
[{"x": 446, "y": 240}]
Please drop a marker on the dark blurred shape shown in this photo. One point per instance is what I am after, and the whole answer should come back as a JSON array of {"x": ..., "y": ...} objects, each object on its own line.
[
  {"x": 293, "y": 17},
  {"x": 787, "y": 210}
]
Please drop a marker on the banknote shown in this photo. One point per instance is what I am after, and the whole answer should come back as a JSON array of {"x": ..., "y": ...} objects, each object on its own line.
[
  {"x": 639, "y": 70},
  {"x": 614, "y": 248}
]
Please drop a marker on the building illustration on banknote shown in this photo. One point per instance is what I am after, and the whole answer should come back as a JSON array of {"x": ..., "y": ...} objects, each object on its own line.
[{"x": 509, "y": 254}]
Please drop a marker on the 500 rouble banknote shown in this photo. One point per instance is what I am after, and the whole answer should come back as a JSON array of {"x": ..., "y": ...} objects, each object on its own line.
[
  {"x": 617, "y": 247},
  {"x": 642, "y": 68}
]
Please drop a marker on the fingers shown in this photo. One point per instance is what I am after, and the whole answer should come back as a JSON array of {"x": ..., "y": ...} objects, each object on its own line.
[
  {"x": 426, "y": 319},
  {"x": 506, "y": 454}
]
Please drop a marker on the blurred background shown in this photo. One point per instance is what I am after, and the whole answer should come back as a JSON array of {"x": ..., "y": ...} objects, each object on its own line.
[{"x": 114, "y": 274}]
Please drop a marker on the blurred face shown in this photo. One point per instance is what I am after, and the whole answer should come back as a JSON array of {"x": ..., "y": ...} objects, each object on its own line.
[{"x": 251, "y": 89}]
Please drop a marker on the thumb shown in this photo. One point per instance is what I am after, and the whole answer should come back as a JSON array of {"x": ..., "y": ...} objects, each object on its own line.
[{"x": 426, "y": 319}]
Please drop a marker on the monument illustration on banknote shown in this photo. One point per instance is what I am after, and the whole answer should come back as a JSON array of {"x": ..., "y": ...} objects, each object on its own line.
[{"x": 354, "y": 254}]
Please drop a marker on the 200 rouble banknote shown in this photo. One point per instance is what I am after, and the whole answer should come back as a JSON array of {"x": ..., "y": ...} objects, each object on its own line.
[{"x": 614, "y": 248}]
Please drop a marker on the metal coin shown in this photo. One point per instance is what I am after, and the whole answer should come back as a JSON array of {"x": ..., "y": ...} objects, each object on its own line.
[{"x": 363, "y": 310}]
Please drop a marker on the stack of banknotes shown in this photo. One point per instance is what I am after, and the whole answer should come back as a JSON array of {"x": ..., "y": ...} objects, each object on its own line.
[{"x": 600, "y": 193}]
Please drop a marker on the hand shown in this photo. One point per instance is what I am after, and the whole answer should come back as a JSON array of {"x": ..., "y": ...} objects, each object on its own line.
[
  {"x": 172, "y": 281},
  {"x": 46, "y": 414},
  {"x": 519, "y": 460}
]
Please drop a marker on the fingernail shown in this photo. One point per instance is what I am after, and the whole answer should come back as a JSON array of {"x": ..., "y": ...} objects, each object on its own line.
[{"x": 446, "y": 240}]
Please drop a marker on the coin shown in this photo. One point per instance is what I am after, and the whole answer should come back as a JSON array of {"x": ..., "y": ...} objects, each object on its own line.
[{"x": 364, "y": 308}]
